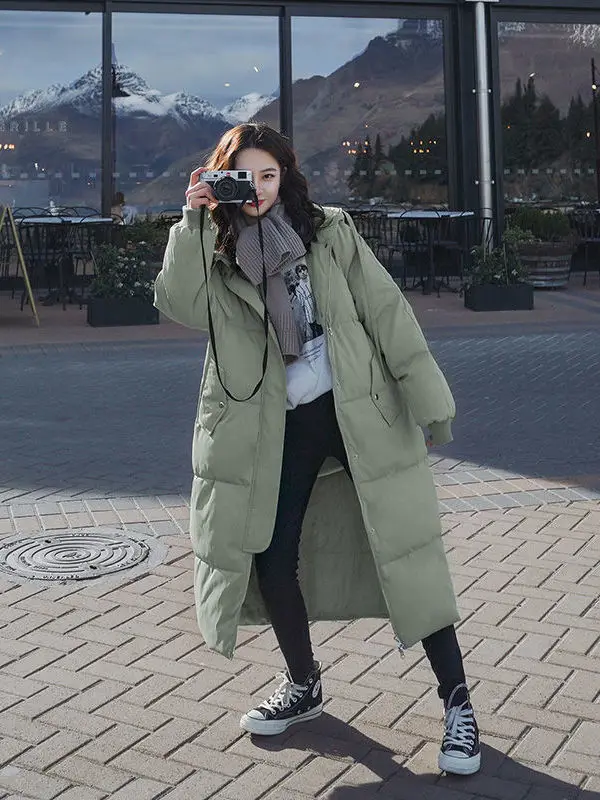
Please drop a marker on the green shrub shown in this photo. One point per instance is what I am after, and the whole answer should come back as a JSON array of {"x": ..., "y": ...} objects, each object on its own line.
[
  {"x": 544, "y": 226},
  {"x": 501, "y": 265},
  {"x": 123, "y": 272}
]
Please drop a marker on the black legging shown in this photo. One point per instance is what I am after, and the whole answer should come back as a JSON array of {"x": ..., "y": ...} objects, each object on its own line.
[{"x": 311, "y": 435}]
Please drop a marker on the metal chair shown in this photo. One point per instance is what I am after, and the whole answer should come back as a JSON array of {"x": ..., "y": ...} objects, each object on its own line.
[
  {"x": 87, "y": 211},
  {"x": 84, "y": 238},
  {"x": 404, "y": 251},
  {"x": 586, "y": 224},
  {"x": 453, "y": 245},
  {"x": 67, "y": 211},
  {"x": 30, "y": 211},
  {"x": 43, "y": 249},
  {"x": 6, "y": 252}
]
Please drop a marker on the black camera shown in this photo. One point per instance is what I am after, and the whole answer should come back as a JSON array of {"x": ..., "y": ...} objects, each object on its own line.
[{"x": 230, "y": 185}]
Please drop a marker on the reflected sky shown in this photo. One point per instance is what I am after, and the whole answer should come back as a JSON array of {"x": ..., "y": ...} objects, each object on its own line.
[{"x": 198, "y": 54}]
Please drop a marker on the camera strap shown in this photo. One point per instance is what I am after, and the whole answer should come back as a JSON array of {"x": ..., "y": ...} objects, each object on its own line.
[{"x": 211, "y": 329}]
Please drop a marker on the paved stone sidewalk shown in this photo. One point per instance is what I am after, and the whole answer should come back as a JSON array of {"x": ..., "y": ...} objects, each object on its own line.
[
  {"x": 115, "y": 420},
  {"x": 106, "y": 690}
]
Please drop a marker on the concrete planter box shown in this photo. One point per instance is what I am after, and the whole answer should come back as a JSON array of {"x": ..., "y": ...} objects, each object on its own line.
[
  {"x": 106, "y": 311},
  {"x": 512, "y": 297}
]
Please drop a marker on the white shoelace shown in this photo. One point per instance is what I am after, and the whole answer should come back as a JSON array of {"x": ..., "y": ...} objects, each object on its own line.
[
  {"x": 284, "y": 695},
  {"x": 460, "y": 728}
]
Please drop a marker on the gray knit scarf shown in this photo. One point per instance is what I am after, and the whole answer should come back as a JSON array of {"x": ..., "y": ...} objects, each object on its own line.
[{"x": 282, "y": 247}]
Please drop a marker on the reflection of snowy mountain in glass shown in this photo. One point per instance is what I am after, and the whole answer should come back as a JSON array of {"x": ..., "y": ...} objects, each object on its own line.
[
  {"x": 85, "y": 97},
  {"x": 246, "y": 108},
  {"x": 393, "y": 87},
  {"x": 586, "y": 35},
  {"x": 58, "y": 130},
  {"x": 422, "y": 28}
]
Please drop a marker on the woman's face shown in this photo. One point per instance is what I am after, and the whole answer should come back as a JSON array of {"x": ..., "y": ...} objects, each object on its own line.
[{"x": 266, "y": 173}]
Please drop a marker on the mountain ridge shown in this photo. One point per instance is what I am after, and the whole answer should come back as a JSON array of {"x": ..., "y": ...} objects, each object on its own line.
[{"x": 84, "y": 95}]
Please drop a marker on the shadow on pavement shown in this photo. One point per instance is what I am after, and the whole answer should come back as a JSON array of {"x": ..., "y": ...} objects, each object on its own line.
[
  {"x": 500, "y": 776},
  {"x": 119, "y": 420}
]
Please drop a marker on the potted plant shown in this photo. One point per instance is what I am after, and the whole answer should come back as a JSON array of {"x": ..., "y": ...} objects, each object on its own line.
[
  {"x": 547, "y": 258},
  {"x": 150, "y": 232},
  {"x": 122, "y": 291},
  {"x": 495, "y": 280}
]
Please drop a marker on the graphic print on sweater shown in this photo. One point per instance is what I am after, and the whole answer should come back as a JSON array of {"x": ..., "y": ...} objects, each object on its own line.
[
  {"x": 310, "y": 375},
  {"x": 303, "y": 302}
]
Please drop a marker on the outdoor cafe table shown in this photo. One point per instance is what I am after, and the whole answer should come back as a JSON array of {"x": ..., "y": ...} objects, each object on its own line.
[
  {"x": 430, "y": 218},
  {"x": 69, "y": 224}
]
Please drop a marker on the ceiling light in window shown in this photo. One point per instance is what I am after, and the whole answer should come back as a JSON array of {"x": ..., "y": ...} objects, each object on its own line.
[{"x": 357, "y": 84}]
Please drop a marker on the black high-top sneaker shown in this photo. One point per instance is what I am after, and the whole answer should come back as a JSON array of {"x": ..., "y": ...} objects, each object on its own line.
[
  {"x": 289, "y": 703},
  {"x": 460, "y": 753}
]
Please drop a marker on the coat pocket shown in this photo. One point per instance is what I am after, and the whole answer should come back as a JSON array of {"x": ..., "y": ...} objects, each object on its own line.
[
  {"x": 213, "y": 401},
  {"x": 382, "y": 395}
]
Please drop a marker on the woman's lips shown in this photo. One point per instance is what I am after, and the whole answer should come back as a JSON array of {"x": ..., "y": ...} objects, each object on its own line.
[{"x": 253, "y": 204}]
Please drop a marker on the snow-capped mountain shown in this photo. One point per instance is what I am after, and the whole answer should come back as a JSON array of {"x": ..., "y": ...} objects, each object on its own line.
[
  {"x": 246, "y": 108},
  {"x": 84, "y": 96},
  {"x": 427, "y": 28}
]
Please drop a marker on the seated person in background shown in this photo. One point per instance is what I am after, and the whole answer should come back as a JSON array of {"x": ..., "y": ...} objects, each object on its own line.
[{"x": 121, "y": 209}]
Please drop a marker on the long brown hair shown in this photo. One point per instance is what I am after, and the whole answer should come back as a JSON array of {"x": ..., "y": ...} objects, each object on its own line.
[{"x": 304, "y": 215}]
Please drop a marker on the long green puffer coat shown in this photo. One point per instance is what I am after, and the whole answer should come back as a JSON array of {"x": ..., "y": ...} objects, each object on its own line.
[{"x": 371, "y": 546}]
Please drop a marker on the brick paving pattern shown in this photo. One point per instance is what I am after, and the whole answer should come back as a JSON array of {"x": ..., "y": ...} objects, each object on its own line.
[{"x": 106, "y": 689}]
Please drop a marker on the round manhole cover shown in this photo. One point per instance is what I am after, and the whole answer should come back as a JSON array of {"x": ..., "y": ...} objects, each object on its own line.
[{"x": 71, "y": 555}]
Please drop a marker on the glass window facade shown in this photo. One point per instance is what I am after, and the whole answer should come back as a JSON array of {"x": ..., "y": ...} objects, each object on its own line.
[
  {"x": 50, "y": 108},
  {"x": 549, "y": 136},
  {"x": 368, "y": 103},
  {"x": 169, "y": 111},
  {"x": 369, "y": 108}
]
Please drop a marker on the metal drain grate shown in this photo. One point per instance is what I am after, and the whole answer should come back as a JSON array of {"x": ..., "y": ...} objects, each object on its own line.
[{"x": 71, "y": 555}]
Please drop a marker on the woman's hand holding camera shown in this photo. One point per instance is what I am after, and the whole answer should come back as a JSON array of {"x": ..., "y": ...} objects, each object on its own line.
[{"x": 199, "y": 193}]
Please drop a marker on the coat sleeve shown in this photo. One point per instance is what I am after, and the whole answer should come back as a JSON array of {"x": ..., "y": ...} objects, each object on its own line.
[
  {"x": 180, "y": 287},
  {"x": 391, "y": 324}
]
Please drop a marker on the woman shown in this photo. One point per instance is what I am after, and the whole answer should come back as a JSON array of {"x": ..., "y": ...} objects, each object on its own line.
[{"x": 281, "y": 534}]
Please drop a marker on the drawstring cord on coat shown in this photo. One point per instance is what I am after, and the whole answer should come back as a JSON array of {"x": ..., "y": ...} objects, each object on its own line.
[{"x": 211, "y": 329}]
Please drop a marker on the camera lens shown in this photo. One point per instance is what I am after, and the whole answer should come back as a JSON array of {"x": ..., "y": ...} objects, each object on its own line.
[{"x": 226, "y": 189}]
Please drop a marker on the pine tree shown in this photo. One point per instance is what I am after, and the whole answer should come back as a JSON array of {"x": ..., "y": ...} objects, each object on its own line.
[
  {"x": 579, "y": 132},
  {"x": 528, "y": 150},
  {"x": 513, "y": 123},
  {"x": 363, "y": 171},
  {"x": 548, "y": 139},
  {"x": 378, "y": 155}
]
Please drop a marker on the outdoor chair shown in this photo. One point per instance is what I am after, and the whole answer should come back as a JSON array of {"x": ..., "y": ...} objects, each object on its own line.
[
  {"x": 43, "y": 250},
  {"x": 30, "y": 211},
  {"x": 6, "y": 253},
  {"x": 371, "y": 226},
  {"x": 84, "y": 239},
  {"x": 87, "y": 211},
  {"x": 453, "y": 246},
  {"x": 586, "y": 224},
  {"x": 404, "y": 250},
  {"x": 169, "y": 216}
]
